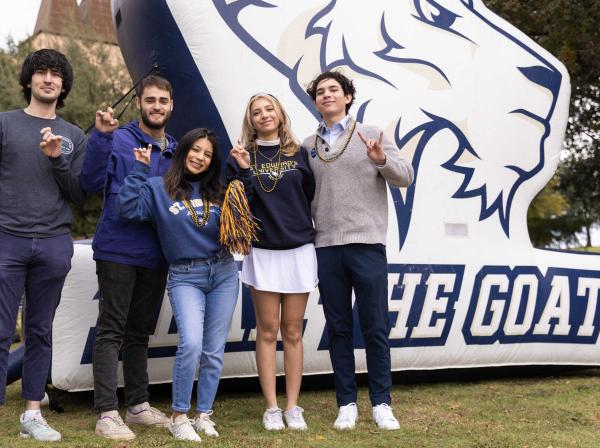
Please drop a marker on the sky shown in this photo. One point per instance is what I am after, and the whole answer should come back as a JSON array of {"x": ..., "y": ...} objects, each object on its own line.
[{"x": 17, "y": 19}]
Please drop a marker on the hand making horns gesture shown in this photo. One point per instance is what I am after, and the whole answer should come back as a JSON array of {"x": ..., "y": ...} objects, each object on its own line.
[
  {"x": 241, "y": 155},
  {"x": 143, "y": 154},
  {"x": 374, "y": 148},
  {"x": 50, "y": 144},
  {"x": 105, "y": 121}
]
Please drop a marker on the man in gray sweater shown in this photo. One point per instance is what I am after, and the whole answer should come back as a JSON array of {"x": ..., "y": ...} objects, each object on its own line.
[
  {"x": 40, "y": 160},
  {"x": 352, "y": 164}
]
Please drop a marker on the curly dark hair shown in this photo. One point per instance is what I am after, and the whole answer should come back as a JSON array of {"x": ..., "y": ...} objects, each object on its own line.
[
  {"x": 177, "y": 186},
  {"x": 343, "y": 80},
  {"x": 46, "y": 59}
]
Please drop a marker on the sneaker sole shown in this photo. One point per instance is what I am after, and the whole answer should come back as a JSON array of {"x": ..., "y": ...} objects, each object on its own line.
[
  {"x": 199, "y": 440},
  {"x": 25, "y": 435},
  {"x": 150, "y": 425},
  {"x": 113, "y": 437},
  {"x": 345, "y": 428},
  {"x": 208, "y": 434}
]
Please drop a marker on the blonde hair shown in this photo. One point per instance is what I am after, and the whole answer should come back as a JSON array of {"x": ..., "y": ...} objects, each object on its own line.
[{"x": 288, "y": 142}]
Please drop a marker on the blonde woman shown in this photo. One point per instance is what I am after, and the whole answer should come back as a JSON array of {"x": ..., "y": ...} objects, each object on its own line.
[{"x": 281, "y": 269}]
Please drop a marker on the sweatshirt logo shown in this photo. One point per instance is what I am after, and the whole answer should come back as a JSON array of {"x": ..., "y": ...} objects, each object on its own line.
[
  {"x": 275, "y": 171},
  {"x": 66, "y": 146},
  {"x": 198, "y": 205}
]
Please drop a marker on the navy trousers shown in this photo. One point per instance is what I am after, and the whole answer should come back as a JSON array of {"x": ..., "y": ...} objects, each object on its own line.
[
  {"x": 364, "y": 268},
  {"x": 38, "y": 267}
]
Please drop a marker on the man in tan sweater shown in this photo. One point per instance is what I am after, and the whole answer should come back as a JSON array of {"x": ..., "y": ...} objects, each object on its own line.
[{"x": 352, "y": 164}]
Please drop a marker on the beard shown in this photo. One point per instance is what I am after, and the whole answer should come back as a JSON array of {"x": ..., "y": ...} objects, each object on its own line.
[{"x": 154, "y": 124}]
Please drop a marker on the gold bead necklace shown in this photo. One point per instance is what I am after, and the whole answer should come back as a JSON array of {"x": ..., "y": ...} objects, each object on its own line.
[
  {"x": 194, "y": 215},
  {"x": 278, "y": 171},
  {"x": 331, "y": 159}
]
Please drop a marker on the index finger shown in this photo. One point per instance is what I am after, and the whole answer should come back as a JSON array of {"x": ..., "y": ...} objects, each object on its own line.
[
  {"x": 46, "y": 129},
  {"x": 381, "y": 137},
  {"x": 362, "y": 138}
]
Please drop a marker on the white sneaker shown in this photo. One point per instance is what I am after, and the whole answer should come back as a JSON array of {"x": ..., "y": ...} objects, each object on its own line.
[
  {"x": 37, "y": 428},
  {"x": 295, "y": 419},
  {"x": 383, "y": 416},
  {"x": 347, "y": 417},
  {"x": 111, "y": 426},
  {"x": 147, "y": 416},
  {"x": 203, "y": 423},
  {"x": 182, "y": 429},
  {"x": 272, "y": 420}
]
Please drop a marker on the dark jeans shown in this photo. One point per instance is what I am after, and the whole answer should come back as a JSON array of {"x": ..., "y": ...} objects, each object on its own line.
[
  {"x": 39, "y": 267},
  {"x": 130, "y": 300},
  {"x": 364, "y": 268}
]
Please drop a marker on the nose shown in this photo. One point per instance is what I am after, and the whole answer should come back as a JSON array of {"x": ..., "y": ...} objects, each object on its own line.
[{"x": 47, "y": 76}]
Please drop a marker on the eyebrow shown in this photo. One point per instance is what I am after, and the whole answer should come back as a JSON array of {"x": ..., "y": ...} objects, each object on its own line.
[
  {"x": 199, "y": 148},
  {"x": 160, "y": 98},
  {"x": 257, "y": 109}
]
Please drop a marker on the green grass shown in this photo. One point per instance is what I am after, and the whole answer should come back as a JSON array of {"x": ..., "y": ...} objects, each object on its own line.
[{"x": 550, "y": 411}]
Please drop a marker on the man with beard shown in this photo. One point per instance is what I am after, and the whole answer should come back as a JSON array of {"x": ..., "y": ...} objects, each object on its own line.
[
  {"x": 40, "y": 160},
  {"x": 130, "y": 266}
]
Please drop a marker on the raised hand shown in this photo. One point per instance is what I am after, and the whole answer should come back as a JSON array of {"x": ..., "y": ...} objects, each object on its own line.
[
  {"x": 374, "y": 148},
  {"x": 143, "y": 154},
  {"x": 105, "y": 121},
  {"x": 241, "y": 155},
  {"x": 50, "y": 144}
]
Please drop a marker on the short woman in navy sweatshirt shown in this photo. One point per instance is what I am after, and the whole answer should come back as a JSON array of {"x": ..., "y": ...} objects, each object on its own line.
[
  {"x": 281, "y": 269},
  {"x": 185, "y": 209}
]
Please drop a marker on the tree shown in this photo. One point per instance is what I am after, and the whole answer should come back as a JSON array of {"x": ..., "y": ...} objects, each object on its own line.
[{"x": 547, "y": 217}]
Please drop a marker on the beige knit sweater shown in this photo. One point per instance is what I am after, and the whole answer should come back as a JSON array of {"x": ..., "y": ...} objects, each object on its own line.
[{"x": 350, "y": 203}]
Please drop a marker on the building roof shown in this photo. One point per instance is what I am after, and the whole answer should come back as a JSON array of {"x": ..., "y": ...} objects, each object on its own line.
[{"x": 91, "y": 19}]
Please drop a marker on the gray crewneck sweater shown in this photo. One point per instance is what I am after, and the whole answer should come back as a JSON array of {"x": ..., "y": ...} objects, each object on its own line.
[
  {"x": 350, "y": 202},
  {"x": 35, "y": 190}
]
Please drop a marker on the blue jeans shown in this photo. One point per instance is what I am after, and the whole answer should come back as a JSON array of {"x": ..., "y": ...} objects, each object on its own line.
[{"x": 203, "y": 294}]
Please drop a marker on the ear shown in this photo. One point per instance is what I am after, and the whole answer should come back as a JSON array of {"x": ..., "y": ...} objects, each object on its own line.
[
  {"x": 348, "y": 98},
  {"x": 138, "y": 104}
]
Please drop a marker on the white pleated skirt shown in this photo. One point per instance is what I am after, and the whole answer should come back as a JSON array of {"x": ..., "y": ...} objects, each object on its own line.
[{"x": 286, "y": 271}]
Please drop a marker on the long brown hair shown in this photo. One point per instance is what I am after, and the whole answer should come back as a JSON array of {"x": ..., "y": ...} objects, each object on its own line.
[
  {"x": 289, "y": 144},
  {"x": 177, "y": 187}
]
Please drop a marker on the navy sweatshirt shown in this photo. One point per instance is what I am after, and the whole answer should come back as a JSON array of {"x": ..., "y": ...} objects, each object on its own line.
[
  {"x": 283, "y": 214},
  {"x": 145, "y": 199}
]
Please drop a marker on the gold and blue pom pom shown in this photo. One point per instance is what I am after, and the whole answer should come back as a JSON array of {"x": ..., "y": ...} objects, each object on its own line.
[{"x": 238, "y": 226}]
